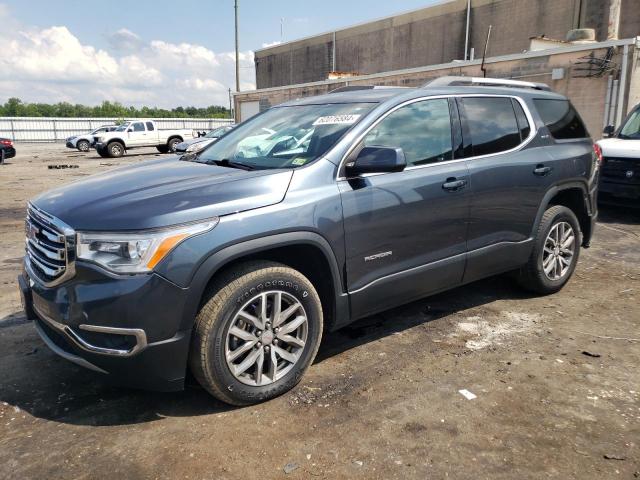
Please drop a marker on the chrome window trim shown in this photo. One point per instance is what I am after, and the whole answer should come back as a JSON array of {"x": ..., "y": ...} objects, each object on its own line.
[{"x": 532, "y": 133}]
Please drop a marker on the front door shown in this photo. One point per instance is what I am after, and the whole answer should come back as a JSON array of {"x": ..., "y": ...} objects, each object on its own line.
[
  {"x": 405, "y": 232},
  {"x": 137, "y": 134}
]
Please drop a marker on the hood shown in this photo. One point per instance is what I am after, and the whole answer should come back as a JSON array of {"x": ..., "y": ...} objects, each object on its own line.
[
  {"x": 162, "y": 192},
  {"x": 620, "y": 147}
]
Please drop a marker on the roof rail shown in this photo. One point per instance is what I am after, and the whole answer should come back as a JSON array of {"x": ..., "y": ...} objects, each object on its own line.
[
  {"x": 487, "y": 82},
  {"x": 351, "y": 88}
]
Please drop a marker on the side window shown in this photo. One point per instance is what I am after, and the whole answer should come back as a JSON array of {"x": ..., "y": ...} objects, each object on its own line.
[
  {"x": 492, "y": 124},
  {"x": 138, "y": 127},
  {"x": 561, "y": 119},
  {"x": 523, "y": 123},
  {"x": 150, "y": 126},
  {"x": 421, "y": 129}
]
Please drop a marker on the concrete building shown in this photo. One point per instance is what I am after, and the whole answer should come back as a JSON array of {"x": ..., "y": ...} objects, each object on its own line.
[
  {"x": 438, "y": 35},
  {"x": 601, "y": 76}
]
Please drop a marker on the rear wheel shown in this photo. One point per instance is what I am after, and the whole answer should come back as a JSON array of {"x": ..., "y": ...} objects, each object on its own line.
[
  {"x": 115, "y": 149},
  {"x": 83, "y": 145},
  {"x": 556, "y": 251},
  {"x": 172, "y": 144},
  {"x": 257, "y": 333},
  {"x": 163, "y": 148}
]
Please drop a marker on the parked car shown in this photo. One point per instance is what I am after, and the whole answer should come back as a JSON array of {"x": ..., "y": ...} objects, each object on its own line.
[
  {"x": 199, "y": 143},
  {"x": 139, "y": 133},
  {"x": 7, "y": 150},
  {"x": 234, "y": 264},
  {"x": 85, "y": 142},
  {"x": 620, "y": 177}
]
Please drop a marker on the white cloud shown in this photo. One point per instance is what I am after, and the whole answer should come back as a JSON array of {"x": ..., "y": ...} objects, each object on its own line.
[{"x": 51, "y": 65}]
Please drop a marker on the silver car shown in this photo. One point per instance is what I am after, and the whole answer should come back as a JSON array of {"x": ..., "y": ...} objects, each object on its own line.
[
  {"x": 197, "y": 144},
  {"x": 84, "y": 142}
]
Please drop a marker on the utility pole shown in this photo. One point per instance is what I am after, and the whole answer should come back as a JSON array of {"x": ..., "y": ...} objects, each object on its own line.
[
  {"x": 230, "y": 105},
  {"x": 237, "y": 50}
]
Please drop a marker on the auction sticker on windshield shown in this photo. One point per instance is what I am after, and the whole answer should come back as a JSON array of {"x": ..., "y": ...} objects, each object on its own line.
[{"x": 337, "y": 120}]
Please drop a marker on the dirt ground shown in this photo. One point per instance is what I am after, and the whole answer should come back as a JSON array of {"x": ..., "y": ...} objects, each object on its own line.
[{"x": 556, "y": 382}]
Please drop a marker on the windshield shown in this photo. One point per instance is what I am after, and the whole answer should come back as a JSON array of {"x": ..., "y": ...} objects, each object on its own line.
[
  {"x": 285, "y": 137},
  {"x": 631, "y": 128},
  {"x": 218, "y": 132}
]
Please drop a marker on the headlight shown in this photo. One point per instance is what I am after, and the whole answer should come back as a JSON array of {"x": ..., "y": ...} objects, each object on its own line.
[
  {"x": 194, "y": 147},
  {"x": 135, "y": 252}
]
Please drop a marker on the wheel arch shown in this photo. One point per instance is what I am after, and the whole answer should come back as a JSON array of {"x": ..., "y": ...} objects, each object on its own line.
[
  {"x": 307, "y": 252},
  {"x": 575, "y": 196}
]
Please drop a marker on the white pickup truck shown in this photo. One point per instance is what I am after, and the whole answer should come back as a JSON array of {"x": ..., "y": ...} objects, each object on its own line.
[
  {"x": 620, "y": 173},
  {"x": 139, "y": 133}
]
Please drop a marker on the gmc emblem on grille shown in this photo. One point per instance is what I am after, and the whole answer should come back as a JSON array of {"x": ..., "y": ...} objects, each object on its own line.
[
  {"x": 31, "y": 231},
  {"x": 629, "y": 173}
]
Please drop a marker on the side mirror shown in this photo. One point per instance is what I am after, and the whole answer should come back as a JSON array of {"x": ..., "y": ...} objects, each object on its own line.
[
  {"x": 609, "y": 130},
  {"x": 376, "y": 160},
  {"x": 130, "y": 129}
]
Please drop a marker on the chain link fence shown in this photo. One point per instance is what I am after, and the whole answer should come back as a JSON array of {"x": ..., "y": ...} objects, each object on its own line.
[{"x": 47, "y": 129}]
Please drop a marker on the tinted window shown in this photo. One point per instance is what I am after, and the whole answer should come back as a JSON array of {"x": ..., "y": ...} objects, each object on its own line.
[
  {"x": 561, "y": 119},
  {"x": 150, "y": 126},
  {"x": 523, "y": 123},
  {"x": 421, "y": 129},
  {"x": 138, "y": 127},
  {"x": 492, "y": 124}
]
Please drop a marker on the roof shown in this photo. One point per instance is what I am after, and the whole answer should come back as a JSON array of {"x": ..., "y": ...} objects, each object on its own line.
[{"x": 384, "y": 94}]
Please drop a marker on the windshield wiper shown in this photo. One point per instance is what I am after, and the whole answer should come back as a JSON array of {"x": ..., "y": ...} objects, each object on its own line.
[{"x": 231, "y": 164}]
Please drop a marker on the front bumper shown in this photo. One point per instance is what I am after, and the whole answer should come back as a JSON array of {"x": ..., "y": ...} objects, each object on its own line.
[
  {"x": 124, "y": 327},
  {"x": 70, "y": 144}
]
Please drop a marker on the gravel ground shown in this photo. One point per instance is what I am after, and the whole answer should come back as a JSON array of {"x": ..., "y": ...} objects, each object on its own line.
[{"x": 555, "y": 379}]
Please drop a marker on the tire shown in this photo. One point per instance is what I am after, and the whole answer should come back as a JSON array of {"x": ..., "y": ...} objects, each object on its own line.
[
  {"x": 83, "y": 145},
  {"x": 172, "y": 144},
  {"x": 163, "y": 148},
  {"x": 102, "y": 152},
  {"x": 213, "y": 342},
  {"x": 554, "y": 224},
  {"x": 115, "y": 149}
]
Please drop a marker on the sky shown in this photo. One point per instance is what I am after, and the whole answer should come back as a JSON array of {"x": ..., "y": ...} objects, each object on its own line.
[{"x": 156, "y": 53}]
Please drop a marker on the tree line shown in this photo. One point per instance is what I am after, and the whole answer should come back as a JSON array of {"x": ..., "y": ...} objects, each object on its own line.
[{"x": 14, "y": 107}]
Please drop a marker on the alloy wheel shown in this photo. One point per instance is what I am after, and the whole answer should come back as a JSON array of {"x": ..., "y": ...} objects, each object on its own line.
[
  {"x": 266, "y": 338},
  {"x": 558, "y": 251}
]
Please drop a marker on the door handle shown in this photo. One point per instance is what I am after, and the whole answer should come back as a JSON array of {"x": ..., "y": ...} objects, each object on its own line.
[
  {"x": 541, "y": 170},
  {"x": 453, "y": 184}
]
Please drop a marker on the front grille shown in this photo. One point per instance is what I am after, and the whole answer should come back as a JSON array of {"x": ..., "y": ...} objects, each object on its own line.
[
  {"x": 621, "y": 170},
  {"x": 48, "y": 246}
]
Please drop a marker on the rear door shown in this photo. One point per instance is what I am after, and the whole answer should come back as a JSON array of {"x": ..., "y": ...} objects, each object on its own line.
[
  {"x": 137, "y": 134},
  {"x": 405, "y": 232},
  {"x": 510, "y": 172}
]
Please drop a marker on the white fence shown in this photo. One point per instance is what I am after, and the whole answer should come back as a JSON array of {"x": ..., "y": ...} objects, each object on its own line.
[{"x": 49, "y": 129}]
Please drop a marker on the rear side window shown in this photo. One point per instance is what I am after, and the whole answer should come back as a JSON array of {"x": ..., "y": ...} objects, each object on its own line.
[
  {"x": 561, "y": 119},
  {"x": 150, "y": 126},
  {"x": 492, "y": 124},
  {"x": 523, "y": 123}
]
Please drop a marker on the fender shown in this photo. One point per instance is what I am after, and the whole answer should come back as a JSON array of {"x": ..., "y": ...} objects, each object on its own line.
[
  {"x": 552, "y": 192},
  {"x": 220, "y": 258}
]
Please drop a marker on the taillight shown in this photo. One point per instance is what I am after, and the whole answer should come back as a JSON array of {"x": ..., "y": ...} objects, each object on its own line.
[
  {"x": 598, "y": 152},
  {"x": 6, "y": 141}
]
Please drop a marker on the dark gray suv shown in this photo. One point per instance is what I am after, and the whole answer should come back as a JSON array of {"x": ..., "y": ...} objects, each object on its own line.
[{"x": 232, "y": 262}]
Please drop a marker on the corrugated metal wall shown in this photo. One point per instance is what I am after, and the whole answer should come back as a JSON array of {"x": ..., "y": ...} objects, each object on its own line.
[{"x": 45, "y": 129}]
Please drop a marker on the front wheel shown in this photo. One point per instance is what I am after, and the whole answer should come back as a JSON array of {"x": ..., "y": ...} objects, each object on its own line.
[
  {"x": 257, "y": 333},
  {"x": 555, "y": 253},
  {"x": 115, "y": 149}
]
